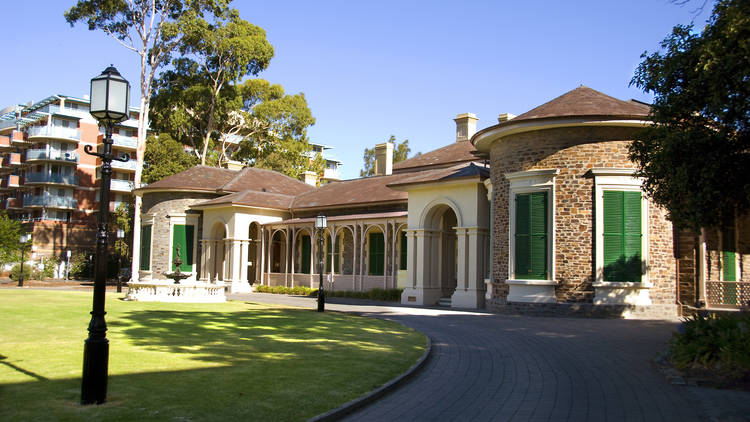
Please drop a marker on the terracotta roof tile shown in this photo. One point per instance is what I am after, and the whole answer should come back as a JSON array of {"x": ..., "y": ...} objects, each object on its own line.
[
  {"x": 262, "y": 180},
  {"x": 460, "y": 171},
  {"x": 253, "y": 199},
  {"x": 198, "y": 178},
  {"x": 352, "y": 192},
  {"x": 454, "y": 153},
  {"x": 584, "y": 101}
]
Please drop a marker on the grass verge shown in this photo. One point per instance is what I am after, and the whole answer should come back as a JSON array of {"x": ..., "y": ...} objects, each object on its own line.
[{"x": 192, "y": 361}]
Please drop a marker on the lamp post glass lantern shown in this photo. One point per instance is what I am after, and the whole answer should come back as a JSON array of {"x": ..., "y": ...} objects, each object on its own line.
[
  {"x": 110, "y": 99},
  {"x": 320, "y": 225},
  {"x": 23, "y": 239}
]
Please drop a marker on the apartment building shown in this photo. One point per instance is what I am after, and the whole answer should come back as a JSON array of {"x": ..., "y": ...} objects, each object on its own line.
[{"x": 46, "y": 178}]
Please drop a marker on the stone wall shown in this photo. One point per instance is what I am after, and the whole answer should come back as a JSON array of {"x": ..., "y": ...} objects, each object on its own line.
[
  {"x": 574, "y": 152},
  {"x": 161, "y": 205}
]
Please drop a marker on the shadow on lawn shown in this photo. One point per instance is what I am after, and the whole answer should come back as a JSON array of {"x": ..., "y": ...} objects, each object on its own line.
[{"x": 276, "y": 334}]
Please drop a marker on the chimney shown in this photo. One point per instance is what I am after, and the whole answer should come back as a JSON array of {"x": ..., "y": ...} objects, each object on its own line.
[
  {"x": 310, "y": 177},
  {"x": 384, "y": 159},
  {"x": 505, "y": 117},
  {"x": 466, "y": 126}
]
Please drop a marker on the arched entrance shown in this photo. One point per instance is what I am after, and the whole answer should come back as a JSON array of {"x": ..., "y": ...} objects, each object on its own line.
[
  {"x": 218, "y": 259},
  {"x": 253, "y": 263},
  {"x": 441, "y": 222}
]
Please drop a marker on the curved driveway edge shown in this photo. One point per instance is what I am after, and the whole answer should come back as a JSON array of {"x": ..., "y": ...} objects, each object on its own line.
[{"x": 372, "y": 396}]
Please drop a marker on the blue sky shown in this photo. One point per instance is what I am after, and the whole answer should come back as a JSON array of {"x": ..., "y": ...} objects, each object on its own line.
[{"x": 374, "y": 69}]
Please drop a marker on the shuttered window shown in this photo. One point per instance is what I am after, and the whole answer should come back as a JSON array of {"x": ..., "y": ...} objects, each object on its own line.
[
  {"x": 182, "y": 235},
  {"x": 335, "y": 254},
  {"x": 377, "y": 254},
  {"x": 305, "y": 268},
  {"x": 531, "y": 236},
  {"x": 622, "y": 237},
  {"x": 145, "y": 248},
  {"x": 404, "y": 251}
]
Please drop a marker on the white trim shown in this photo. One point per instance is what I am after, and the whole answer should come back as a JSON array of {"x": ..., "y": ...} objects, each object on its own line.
[
  {"x": 528, "y": 182},
  {"x": 617, "y": 180}
]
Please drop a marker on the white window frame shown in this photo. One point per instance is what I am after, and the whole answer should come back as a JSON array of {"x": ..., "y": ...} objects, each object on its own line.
[
  {"x": 616, "y": 179},
  {"x": 147, "y": 220},
  {"x": 529, "y": 182},
  {"x": 182, "y": 219}
]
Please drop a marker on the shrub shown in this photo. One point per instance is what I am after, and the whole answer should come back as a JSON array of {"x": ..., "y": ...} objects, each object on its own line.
[
  {"x": 716, "y": 342},
  {"x": 28, "y": 272},
  {"x": 389, "y": 295},
  {"x": 81, "y": 266},
  {"x": 50, "y": 263}
]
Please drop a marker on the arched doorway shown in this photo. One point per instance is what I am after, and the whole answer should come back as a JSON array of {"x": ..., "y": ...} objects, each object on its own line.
[
  {"x": 253, "y": 263},
  {"x": 443, "y": 247}
]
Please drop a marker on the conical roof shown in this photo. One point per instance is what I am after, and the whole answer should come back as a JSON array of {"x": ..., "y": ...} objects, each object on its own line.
[{"x": 584, "y": 101}]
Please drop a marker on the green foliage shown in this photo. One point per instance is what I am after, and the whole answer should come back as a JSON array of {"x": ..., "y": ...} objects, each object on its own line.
[
  {"x": 122, "y": 218},
  {"x": 10, "y": 233},
  {"x": 81, "y": 265},
  {"x": 388, "y": 295},
  {"x": 400, "y": 153},
  {"x": 291, "y": 157},
  {"x": 48, "y": 270},
  {"x": 29, "y": 272},
  {"x": 165, "y": 157},
  {"x": 695, "y": 159},
  {"x": 720, "y": 343},
  {"x": 281, "y": 290}
]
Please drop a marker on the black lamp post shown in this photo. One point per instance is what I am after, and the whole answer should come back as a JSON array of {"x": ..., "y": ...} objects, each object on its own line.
[
  {"x": 110, "y": 96},
  {"x": 320, "y": 226},
  {"x": 23, "y": 239}
]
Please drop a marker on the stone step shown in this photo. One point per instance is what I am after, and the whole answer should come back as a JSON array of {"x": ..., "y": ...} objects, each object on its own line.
[{"x": 445, "y": 301}]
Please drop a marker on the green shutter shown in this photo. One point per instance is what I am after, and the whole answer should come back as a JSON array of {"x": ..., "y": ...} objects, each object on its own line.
[
  {"x": 182, "y": 235},
  {"x": 328, "y": 252},
  {"x": 377, "y": 254},
  {"x": 622, "y": 237},
  {"x": 145, "y": 248},
  {"x": 728, "y": 265},
  {"x": 404, "y": 245},
  {"x": 305, "y": 269},
  {"x": 531, "y": 237}
]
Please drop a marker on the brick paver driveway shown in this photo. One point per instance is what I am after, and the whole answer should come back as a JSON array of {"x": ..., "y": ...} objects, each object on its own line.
[{"x": 493, "y": 367}]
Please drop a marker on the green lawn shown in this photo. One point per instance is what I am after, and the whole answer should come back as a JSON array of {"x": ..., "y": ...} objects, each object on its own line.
[{"x": 192, "y": 361}]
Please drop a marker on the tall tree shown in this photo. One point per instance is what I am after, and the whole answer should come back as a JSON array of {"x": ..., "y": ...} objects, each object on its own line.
[
  {"x": 10, "y": 235},
  {"x": 165, "y": 157},
  {"x": 694, "y": 159},
  {"x": 199, "y": 90},
  {"x": 400, "y": 153},
  {"x": 152, "y": 29}
]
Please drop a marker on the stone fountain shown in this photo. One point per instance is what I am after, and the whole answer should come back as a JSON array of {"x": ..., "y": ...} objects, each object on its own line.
[{"x": 177, "y": 275}]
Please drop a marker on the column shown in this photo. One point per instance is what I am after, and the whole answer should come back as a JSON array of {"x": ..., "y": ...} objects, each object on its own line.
[
  {"x": 204, "y": 260},
  {"x": 472, "y": 295},
  {"x": 261, "y": 251}
]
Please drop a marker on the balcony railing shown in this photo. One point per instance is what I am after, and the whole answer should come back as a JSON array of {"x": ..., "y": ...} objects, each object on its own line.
[
  {"x": 49, "y": 201},
  {"x": 62, "y": 179},
  {"x": 66, "y": 111},
  {"x": 124, "y": 141},
  {"x": 128, "y": 165},
  {"x": 53, "y": 155},
  {"x": 55, "y": 132},
  {"x": 121, "y": 185}
]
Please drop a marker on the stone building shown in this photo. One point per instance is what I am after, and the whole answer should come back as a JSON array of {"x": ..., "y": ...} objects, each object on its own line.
[{"x": 539, "y": 213}]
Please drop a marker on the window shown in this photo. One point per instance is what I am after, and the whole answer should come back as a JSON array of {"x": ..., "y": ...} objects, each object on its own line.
[
  {"x": 532, "y": 224},
  {"x": 145, "y": 248},
  {"x": 531, "y": 236},
  {"x": 305, "y": 267},
  {"x": 404, "y": 245},
  {"x": 182, "y": 237},
  {"x": 377, "y": 254},
  {"x": 622, "y": 237},
  {"x": 621, "y": 230},
  {"x": 336, "y": 255}
]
